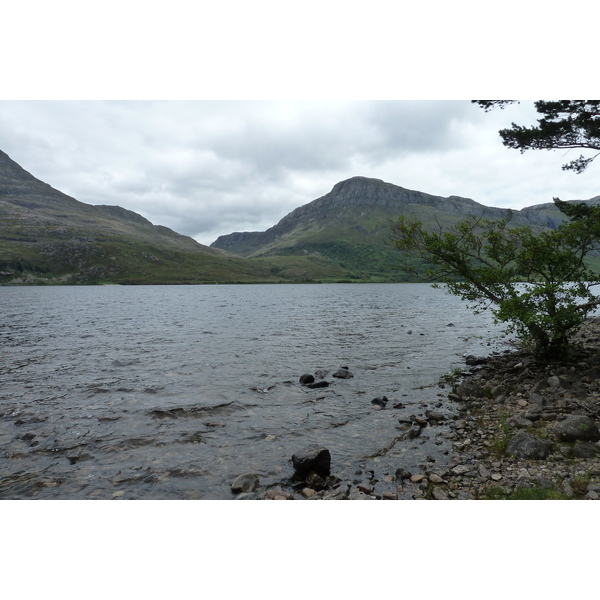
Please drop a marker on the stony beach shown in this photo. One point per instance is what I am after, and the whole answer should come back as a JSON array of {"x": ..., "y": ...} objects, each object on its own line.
[{"x": 519, "y": 429}]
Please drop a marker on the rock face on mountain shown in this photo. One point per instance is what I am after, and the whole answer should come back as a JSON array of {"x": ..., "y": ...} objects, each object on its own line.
[
  {"x": 351, "y": 226},
  {"x": 49, "y": 237},
  {"x": 348, "y": 202},
  {"x": 366, "y": 205}
]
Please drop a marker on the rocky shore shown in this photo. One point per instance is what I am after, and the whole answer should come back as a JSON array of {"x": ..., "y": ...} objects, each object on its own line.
[
  {"x": 528, "y": 429},
  {"x": 519, "y": 429}
]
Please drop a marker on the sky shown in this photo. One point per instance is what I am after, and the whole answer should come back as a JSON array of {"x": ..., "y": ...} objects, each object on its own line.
[{"x": 206, "y": 168}]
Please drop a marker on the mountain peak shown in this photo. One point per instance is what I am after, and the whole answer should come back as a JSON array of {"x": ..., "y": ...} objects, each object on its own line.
[{"x": 362, "y": 187}]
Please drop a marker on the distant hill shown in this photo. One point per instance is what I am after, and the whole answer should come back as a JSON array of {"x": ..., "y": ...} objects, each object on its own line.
[
  {"x": 49, "y": 237},
  {"x": 349, "y": 229}
]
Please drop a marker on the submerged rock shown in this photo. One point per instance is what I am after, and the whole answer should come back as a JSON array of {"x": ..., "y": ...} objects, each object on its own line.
[
  {"x": 318, "y": 384},
  {"x": 343, "y": 373},
  {"x": 306, "y": 379},
  {"x": 380, "y": 401},
  {"x": 248, "y": 482}
]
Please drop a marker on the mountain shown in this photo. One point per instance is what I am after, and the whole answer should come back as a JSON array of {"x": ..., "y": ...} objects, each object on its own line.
[
  {"x": 349, "y": 229},
  {"x": 49, "y": 237}
]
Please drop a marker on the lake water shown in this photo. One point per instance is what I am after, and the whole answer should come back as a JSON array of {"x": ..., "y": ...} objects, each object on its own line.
[{"x": 170, "y": 392}]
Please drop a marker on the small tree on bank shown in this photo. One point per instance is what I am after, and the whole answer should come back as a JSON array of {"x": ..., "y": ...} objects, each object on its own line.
[{"x": 536, "y": 281}]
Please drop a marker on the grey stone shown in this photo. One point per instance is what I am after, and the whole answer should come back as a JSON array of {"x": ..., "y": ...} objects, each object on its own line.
[
  {"x": 536, "y": 399},
  {"x": 439, "y": 494},
  {"x": 540, "y": 386},
  {"x": 585, "y": 450},
  {"x": 470, "y": 389},
  {"x": 555, "y": 382},
  {"x": 577, "y": 427},
  {"x": 365, "y": 488},
  {"x": 475, "y": 360},
  {"x": 412, "y": 433},
  {"x": 435, "y": 415},
  {"x": 276, "y": 494},
  {"x": 460, "y": 469},
  {"x": 318, "y": 384},
  {"x": 248, "y": 482},
  {"x": 315, "y": 482},
  {"x": 402, "y": 473},
  {"x": 343, "y": 374},
  {"x": 306, "y": 379},
  {"x": 526, "y": 446},
  {"x": 380, "y": 401},
  {"x": 592, "y": 374},
  {"x": 544, "y": 482},
  {"x": 519, "y": 421}
]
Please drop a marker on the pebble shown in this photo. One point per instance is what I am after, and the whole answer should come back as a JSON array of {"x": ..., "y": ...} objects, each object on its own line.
[
  {"x": 439, "y": 494},
  {"x": 278, "y": 495},
  {"x": 418, "y": 477}
]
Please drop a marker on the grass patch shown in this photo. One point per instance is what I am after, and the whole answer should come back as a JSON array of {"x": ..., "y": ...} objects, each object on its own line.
[{"x": 523, "y": 493}]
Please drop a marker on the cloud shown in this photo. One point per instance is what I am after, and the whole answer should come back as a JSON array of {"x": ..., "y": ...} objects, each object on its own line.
[{"x": 207, "y": 168}]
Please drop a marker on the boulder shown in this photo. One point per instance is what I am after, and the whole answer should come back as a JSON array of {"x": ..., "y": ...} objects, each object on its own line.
[
  {"x": 526, "y": 446},
  {"x": 585, "y": 450},
  {"x": 577, "y": 428},
  {"x": 248, "y": 482},
  {"x": 306, "y": 379},
  {"x": 312, "y": 458}
]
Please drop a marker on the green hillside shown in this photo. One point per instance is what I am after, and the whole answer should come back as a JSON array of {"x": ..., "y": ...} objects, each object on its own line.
[
  {"x": 49, "y": 237},
  {"x": 349, "y": 230}
]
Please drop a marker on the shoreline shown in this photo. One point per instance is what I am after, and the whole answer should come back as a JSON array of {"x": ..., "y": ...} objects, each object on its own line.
[
  {"x": 519, "y": 429},
  {"x": 527, "y": 429}
]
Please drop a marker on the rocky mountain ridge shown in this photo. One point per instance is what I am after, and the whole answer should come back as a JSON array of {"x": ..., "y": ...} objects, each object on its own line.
[
  {"x": 351, "y": 225},
  {"x": 47, "y": 236}
]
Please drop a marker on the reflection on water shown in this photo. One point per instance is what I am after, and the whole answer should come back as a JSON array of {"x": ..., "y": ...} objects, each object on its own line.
[{"x": 171, "y": 392}]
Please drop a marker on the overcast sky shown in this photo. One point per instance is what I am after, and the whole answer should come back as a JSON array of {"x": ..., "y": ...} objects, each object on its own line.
[{"x": 208, "y": 168}]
